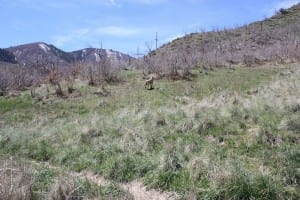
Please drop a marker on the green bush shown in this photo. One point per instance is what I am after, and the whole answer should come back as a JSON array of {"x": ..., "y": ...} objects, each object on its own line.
[
  {"x": 294, "y": 124},
  {"x": 244, "y": 185},
  {"x": 43, "y": 178},
  {"x": 167, "y": 180},
  {"x": 41, "y": 150},
  {"x": 7, "y": 105},
  {"x": 122, "y": 169}
]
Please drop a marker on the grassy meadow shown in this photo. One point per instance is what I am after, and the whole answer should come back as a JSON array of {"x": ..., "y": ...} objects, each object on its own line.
[{"x": 228, "y": 133}]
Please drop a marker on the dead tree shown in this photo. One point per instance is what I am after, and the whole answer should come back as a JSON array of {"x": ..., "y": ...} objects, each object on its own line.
[{"x": 54, "y": 78}]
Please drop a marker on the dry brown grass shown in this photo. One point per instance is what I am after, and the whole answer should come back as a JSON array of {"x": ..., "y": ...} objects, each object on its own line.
[
  {"x": 65, "y": 190},
  {"x": 16, "y": 181}
]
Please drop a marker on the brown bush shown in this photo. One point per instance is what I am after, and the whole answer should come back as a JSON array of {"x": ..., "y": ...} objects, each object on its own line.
[
  {"x": 16, "y": 181},
  {"x": 65, "y": 190}
]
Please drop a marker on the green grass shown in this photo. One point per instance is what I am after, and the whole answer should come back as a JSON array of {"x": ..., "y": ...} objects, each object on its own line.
[
  {"x": 38, "y": 181},
  {"x": 22, "y": 103},
  {"x": 228, "y": 134}
]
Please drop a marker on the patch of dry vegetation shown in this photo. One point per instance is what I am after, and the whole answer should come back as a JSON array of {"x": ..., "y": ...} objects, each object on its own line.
[
  {"x": 273, "y": 40},
  {"x": 16, "y": 180}
]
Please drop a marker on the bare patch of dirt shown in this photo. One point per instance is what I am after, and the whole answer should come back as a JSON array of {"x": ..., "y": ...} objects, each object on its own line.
[
  {"x": 140, "y": 192},
  {"x": 135, "y": 188},
  {"x": 92, "y": 177}
]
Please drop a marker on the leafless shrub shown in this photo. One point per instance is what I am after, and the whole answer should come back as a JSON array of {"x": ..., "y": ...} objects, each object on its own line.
[
  {"x": 15, "y": 77},
  {"x": 70, "y": 80},
  {"x": 172, "y": 65},
  {"x": 275, "y": 40},
  {"x": 70, "y": 84},
  {"x": 65, "y": 190},
  {"x": 283, "y": 11},
  {"x": 90, "y": 77},
  {"x": 251, "y": 60},
  {"x": 53, "y": 78},
  {"x": 102, "y": 91},
  {"x": 6, "y": 81},
  {"x": 101, "y": 72},
  {"x": 149, "y": 65},
  {"x": 71, "y": 76},
  {"x": 175, "y": 65},
  {"x": 15, "y": 180}
]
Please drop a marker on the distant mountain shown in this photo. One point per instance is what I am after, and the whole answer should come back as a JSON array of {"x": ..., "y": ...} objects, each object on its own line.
[
  {"x": 7, "y": 56},
  {"x": 93, "y": 55},
  {"x": 40, "y": 53}
]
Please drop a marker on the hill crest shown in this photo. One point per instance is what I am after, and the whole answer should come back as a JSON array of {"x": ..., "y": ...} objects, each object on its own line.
[
  {"x": 276, "y": 39},
  {"x": 41, "y": 53}
]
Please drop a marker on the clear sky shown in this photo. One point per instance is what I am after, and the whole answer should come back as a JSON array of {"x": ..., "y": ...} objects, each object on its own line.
[{"x": 123, "y": 25}]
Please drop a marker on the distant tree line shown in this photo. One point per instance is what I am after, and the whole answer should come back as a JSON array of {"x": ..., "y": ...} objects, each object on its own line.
[{"x": 42, "y": 71}]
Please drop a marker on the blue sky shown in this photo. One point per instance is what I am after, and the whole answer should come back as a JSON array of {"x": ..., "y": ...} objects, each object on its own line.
[{"x": 124, "y": 25}]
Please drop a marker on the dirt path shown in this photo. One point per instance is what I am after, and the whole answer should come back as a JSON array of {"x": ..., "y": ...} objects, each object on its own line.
[
  {"x": 139, "y": 192},
  {"x": 135, "y": 188}
]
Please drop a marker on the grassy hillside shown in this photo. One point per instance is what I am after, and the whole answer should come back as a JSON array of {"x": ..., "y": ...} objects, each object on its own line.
[
  {"x": 272, "y": 40},
  {"x": 225, "y": 134}
]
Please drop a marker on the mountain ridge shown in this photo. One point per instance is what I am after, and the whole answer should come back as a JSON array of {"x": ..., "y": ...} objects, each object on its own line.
[{"x": 41, "y": 53}]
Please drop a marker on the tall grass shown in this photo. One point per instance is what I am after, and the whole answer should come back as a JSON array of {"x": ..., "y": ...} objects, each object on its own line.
[
  {"x": 208, "y": 138},
  {"x": 24, "y": 180}
]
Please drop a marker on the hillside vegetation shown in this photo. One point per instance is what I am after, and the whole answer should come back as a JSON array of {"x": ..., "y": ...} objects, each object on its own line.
[
  {"x": 6, "y": 56},
  {"x": 275, "y": 39},
  {"x": 208, "y": 138}
]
